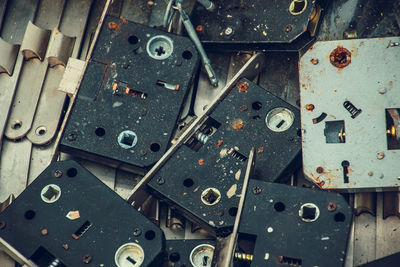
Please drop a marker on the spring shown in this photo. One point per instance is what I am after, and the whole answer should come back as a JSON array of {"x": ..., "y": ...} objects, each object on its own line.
[
  {"x": 201, "y": 137},
  {"x": 352, "y": 109},
  {"x": 243, "y": 256}
]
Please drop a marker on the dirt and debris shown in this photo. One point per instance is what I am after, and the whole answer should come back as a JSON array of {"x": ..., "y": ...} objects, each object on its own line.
[{"x": 243, "y": 87}]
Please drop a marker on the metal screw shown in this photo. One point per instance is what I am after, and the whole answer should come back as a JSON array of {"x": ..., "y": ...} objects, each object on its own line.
[
  {"x": 2, "y": 225},
  {"x": 331, "y": 206},
  {"x": 44, "y": 232},
  {"x": 160, "y": 180},
  {"x": 86, "y": 258},
  {"x": 256, "y": 190},
  {"x": 137, "y": 232},
  {"x": 380, "y": 155},
  {"x": 228, "y": 31},
  {"x": 71, "y": 136},
  {"x": 288, "y": 28},
  {"x": 58, "y": 173},
  {"x": 320, "y": 169}
]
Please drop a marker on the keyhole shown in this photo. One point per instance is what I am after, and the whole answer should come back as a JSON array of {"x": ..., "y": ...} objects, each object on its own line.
[
  {"x": 205, "y": 260},
  {"x": 345, "y": 165},
  {"x": 160, "y": 51},
  {"x": 280, "y": 124},
  {"x": 131, "y": 260}
]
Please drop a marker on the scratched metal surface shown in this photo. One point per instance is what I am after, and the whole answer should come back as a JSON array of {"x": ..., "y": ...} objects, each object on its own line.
[{"x": 20, "y": 162}]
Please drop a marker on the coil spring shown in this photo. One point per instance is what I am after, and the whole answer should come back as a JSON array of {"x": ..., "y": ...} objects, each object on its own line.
[
  {"x": 201, "y": 137},
  {"x": 243, "y": 256},
  {"x": 351, "y": 108}
]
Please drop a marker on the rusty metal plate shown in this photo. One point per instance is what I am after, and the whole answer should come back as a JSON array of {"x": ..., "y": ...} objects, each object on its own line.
[{"x": 349, "y": 111}]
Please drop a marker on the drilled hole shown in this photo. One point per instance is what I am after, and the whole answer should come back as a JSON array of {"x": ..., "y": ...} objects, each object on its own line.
[
  {"x": 256, "y": 105},
  {"x": 187, "y": 54},
  {"x": 72, "y": 172},
  {"x": 29, "y": 214},
  {"x": 174, "y": 257},
  {"x": 16, "y": 125},
  {"x": 339, "y": 217},
  {"x": 233, "y": 211},
  {"x": 150, "y": 235},
  {"x": 155, "y": 147},
  {"x": 188, "y": 182},
  {"x": 279, "y": 206},
  {"x": 100, "y": 132},
  {"x": 41, "y": 130},
  {"x": 133, "y": 39}
]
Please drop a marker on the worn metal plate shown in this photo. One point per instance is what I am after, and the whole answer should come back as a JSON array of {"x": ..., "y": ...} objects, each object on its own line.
[
  {"x": 124, "y": 89},
  {"x": 235, "y": 126},
  {"x": 260, "y": 21},
  {"x": 274, "y": 218},
  {"x": 104, "y": 223},
  {"x": 350, "y": 148}
]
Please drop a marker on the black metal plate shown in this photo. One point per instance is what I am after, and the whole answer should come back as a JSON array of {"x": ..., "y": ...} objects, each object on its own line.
[
  {"x": 272, "y": 216},
  {"x": 277, "y": 156},
  {"x": 391, "y": 260},
  {"x": 113, "y": 220},
  {"x": 120, "y": 57},
  {"x": 258, "y": 21},
  {"x": 179, "y": 251}
]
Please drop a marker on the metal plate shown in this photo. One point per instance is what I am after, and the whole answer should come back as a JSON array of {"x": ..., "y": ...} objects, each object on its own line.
[
  {"x": 271, "y": 219},
  {"x": 121, "y": 64},
  {"x": 238, "y": 124},
  {"x": 37, "y": 228},
  {"x": 370, "y": 83}
]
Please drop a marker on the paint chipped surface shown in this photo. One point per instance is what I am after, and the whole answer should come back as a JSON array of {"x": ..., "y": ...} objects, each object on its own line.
[
  {"x": 232, "y": 191},
  {"x": 237, "y": 175}
]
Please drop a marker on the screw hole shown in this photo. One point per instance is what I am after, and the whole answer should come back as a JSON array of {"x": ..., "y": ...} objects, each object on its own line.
[
  {"x": 174, "y": 257},
  {"x": 155, "y": 147},
  {"x": 133, "y": 39},
  {"x": 16, "y": 125},
  {"x": 100, "y": 132},
  {"x": 256, "y": 105},
  {"x": 339, "y": 217},
  {"x": 72, "y": 172},
  {"x": 187, "y": 54},
  {"x": 150, "y": 235},
  {"x": 279, "y": 206},
  {"x": 233, "y": 211},
  {"x": 41, "y": 130},
  {"x": 29, "y": 214},
  {"x": 188, "y": 182}
]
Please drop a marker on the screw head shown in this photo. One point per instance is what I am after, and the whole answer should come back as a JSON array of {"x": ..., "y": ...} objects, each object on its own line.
[
  {"x": 137, "y": 232},
  {"x": 320, "y": 169},
  {"x": 331, "y": 206},
  {"x": 160, "y": 180},
  {"x": 314, "y": 61},
  {"x": 256, "y": 190},
  {"x": 86, "y": 258},
  {"x": 44, "y": 232},
  {"x": 58, "y": 173},
  {"x": 71, "y": 136},
  {"x": 288, "y": 28},
  {"x": 228, "y": 31},
  {"x": 2, "y": 225}
]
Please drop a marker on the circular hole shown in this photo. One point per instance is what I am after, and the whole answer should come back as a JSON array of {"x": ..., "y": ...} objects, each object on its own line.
[
  {"x": 174, "y": 257},
  {"x": 339, "y": 217},
  {"x": 279, "y": 119},
  {"x": 133, "y": 39},
  {"x": 256, "y": 105},
  {"x": 233, "y": 211},
  {"x": 150, "y": 235},
  {"x": 72, "y": 172},
  {"x": 279, "y": 206},
  {"x": 309, "y": 212},
  {"x": 155, "y": 147},
  {"x": 188, "y": 182},
  {"x": 100, "y": 132},
  {"x": 129, "y": 254},
  {"x": 16, "y": 125},
  {"x": 297, "y": 7},
  {"x": 29, "y": 214},
  {"x": 41, "y": 130},
  {"x": 187, "y": 54}
]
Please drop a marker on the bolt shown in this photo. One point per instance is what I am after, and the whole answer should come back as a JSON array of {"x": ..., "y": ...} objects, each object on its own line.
[
  {"x": 288, "y": 28},
  {"x": 44, "y": 232},
  {"x": 256, "y": 190},
  {"x": 228, "y": 31},
  {"x": 314, "y": 61},
  {"x": 310, "y": 107},
  {"x": 320, "y": 169},
  {"x": 380, "y": 155},
  {"x": 65, "y": 246},
  {"x": 86, "y": 258},
  {"x": 2, "y": 225},
  {"x": 71, "y": 136},
  {"x": 58, "y": 173},
  {"x": 331, "y": 206},
  {"x": 160, "y": 180},
  {"x": 137, "y": 232}
]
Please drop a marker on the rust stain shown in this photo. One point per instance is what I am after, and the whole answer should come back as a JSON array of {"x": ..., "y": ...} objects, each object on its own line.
[
  {"x": 123, "y": 20},
  {"x": 310, "y": 107},
  {"x": 340, "y": 57},
  {"x": 260, "y": 150},
  {"x": 219, "y": 143},
  {"x": 243, "y": 87},
  {"x": 114, "y": 26},
  {"x": 238, "y": 124},
  {"x": 314, "y": 61},
  {"x": 201, "y": 162},
  {"x": 199, "y": 28}
]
